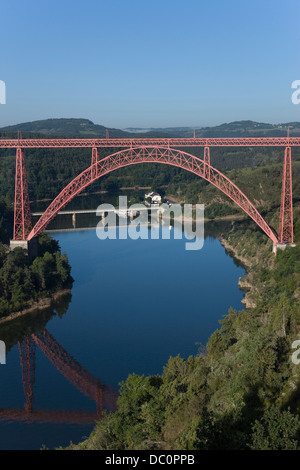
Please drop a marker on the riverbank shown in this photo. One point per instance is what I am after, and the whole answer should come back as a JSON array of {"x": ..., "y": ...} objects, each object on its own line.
[
  {"x": 244, "y": 283},
  {"x": 29, "y": 284},
  {"x": 41, "y": 304}
]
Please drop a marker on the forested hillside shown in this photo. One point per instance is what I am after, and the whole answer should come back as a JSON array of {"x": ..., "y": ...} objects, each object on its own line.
[
  {"x": 23, "y": 280},
  {"x": 86, "y": 128},
  {"x": 242, "y": 390}
]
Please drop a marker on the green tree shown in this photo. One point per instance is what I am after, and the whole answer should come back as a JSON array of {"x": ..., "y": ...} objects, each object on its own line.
[{"x": 276, "y": 430}]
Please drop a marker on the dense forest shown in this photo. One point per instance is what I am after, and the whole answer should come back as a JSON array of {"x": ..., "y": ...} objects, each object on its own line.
[{"x": 24, "y": 281}]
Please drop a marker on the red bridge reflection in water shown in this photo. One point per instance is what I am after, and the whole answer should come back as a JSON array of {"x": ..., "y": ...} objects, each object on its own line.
[{"x": 104, "y": 396}]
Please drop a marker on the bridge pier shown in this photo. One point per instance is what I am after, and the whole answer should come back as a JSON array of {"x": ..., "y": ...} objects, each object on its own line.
[
  {"x": 74, "y": 220},
  {"x": 286, "y": 233},
  {"x": 30, "y": 247},
  {"x": 22, "y": 214},
  {"x": 282, "y": 246},
  {"x": 206, "y": 159}
]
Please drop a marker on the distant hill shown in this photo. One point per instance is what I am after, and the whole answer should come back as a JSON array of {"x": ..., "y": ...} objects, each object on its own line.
[
  {"x": 232, "y": 129},
  {"x": 65, "y": 128},
  {"x": 250, "y": 129},
  {"x": 85, "y": 128}
]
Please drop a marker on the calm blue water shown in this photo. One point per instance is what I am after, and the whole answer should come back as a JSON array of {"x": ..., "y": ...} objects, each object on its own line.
[{"x": 134, "y": 304}]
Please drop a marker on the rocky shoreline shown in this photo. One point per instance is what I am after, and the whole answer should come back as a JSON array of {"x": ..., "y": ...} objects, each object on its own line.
[
  {"x": 244, "y": 283},
  {"x": 41, "y": 304}
]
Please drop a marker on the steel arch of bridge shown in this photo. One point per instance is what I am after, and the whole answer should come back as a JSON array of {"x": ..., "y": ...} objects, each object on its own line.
[{"x": 145, "y": 154}]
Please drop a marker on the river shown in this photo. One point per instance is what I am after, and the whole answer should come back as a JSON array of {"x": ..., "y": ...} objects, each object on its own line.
[{"x": 134, "y": 303}]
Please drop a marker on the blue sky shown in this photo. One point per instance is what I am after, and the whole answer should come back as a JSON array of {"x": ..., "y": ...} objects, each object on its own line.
[{"x": 138, "y": 63}]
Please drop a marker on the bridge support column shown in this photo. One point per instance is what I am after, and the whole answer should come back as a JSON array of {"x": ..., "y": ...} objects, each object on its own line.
[
  {"x": 74, "y": 220},
  {"x": 95, "y": 159},
  {"x": 286, "y": 234},
  {"x": 22, "y": 214},
  {"x": 206, "y": 159}
]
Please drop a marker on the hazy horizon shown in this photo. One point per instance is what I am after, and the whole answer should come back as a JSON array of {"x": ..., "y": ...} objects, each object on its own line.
[{"x": 137, "y": 128}]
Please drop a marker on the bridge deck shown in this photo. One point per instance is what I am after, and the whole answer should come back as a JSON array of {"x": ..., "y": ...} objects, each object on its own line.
[
  {"x": 93, "y": 211},
  {"x": 153, "y": 142}
]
